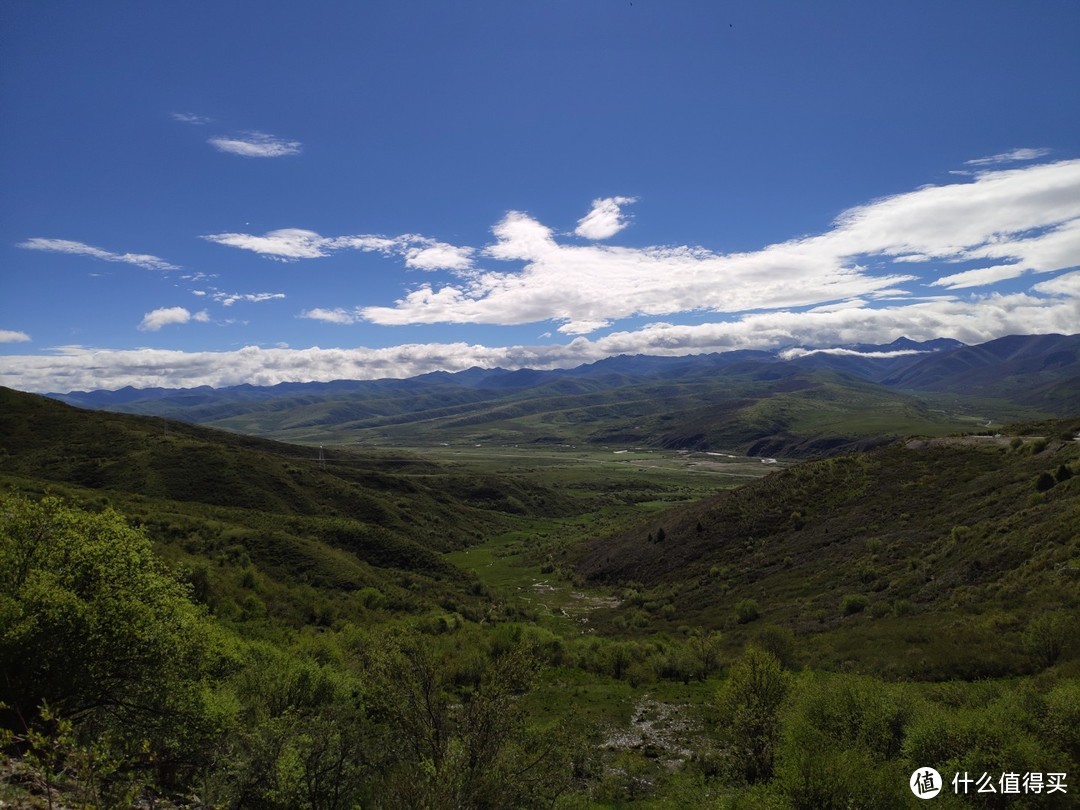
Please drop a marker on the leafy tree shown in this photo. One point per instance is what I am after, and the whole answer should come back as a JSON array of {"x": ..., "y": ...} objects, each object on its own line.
[
  {"x": 93, "y": 625},
  {"x": 706, "y": 650},
  {"x": 749, "y": 708}
]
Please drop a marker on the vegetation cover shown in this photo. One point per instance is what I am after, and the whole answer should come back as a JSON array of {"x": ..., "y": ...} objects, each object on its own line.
[{"x": 386, "y": 630}]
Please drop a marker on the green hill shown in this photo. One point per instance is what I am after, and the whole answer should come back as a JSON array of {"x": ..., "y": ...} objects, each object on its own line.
[
  {"x": 926, "y": 558},
  {"x": 264, "y": 524}
]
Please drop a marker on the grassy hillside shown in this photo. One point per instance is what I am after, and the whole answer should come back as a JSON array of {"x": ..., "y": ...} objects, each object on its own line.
[
  {"x": 778, "y": 410},
  {"x": 927, "y": 558},
  {"x": 385, "y": 630},
  {"x": 263, "y": 527}
]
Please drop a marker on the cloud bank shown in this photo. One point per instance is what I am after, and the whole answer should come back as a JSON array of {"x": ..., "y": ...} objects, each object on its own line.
[
  {"x": 1055, "y": 307},
  {"x": 925, "y": 264}
]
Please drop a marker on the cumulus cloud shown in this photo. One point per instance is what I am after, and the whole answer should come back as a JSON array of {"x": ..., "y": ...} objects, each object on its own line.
[
  {"x": 430, "y": 255},
  {"x": 164, "y": 316},
  {"x": 256, "y": 144},
  {"x": 1055, "y": 307},
  {"x": 605, "y": 219},
  {"x": 1006, "y": 222},
  {"x": 81, "y": 249},
  {"x": 13, "y": 336}
]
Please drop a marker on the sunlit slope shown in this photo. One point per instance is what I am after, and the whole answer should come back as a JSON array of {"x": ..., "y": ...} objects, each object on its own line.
[{"x": 910, "y": 557}]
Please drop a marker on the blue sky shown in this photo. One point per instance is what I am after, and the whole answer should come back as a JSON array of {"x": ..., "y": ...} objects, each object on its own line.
[{"x": 216, "y": 193}]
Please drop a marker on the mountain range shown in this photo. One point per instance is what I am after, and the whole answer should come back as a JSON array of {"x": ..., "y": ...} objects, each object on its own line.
[{"x": 798, "y": 402}]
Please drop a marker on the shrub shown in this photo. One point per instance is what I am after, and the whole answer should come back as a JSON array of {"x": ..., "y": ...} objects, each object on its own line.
[
  {"x": 904, "y": 607},
  {"x": 1044, "y": 482},
  {"x": 779, "y": 641},
  {"x": 746, "y": 611},
  {"x": 853, "y": 603},
  {"x": 1046, "y": 636},
  {"x": 843, "y": 741}
]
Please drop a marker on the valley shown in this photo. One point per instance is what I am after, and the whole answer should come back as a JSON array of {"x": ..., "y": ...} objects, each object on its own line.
[{"x": 418, "y": 611}]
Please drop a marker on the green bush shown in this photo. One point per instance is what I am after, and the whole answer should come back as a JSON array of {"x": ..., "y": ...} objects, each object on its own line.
[
  {"x": 746, "y": 611},
  {"x": 93, "y": 625},
  {"x": 853, "y": 603},
  {"x": 748, "y": 705},
  {"x": 842, "y": 743}
]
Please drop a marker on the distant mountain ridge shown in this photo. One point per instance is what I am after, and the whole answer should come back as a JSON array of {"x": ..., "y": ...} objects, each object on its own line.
[{"x": 802, "y": 401}]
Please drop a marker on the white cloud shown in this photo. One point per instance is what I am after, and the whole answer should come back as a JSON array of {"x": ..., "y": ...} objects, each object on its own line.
[
  {"x": 1050, "y": 250},
  {"x": 256, "y": 144},
  {"x": 81, "y": 249},
  {"x": 286, "y": 244},
  {"x": 228, "y": 299},
  {"x": 793, "y": 354},
  {"x": 605, "y": 219},
  {"x": 290, "y": 244},
  {"x": 430, "y": 255},
  {"x": 202, "y": 316},
  {"x": 1016, "y": 155},
  {"x": 192, "y": 118},
  {"x": 1014, "y": 221},
  {"x": 165, "y": 316},
  {"x": 13, "y": 336},
  {"x": 1066, "y": 284},
  {"x": 973, "y": 319},
  {"x": 338, "y": 315}
]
